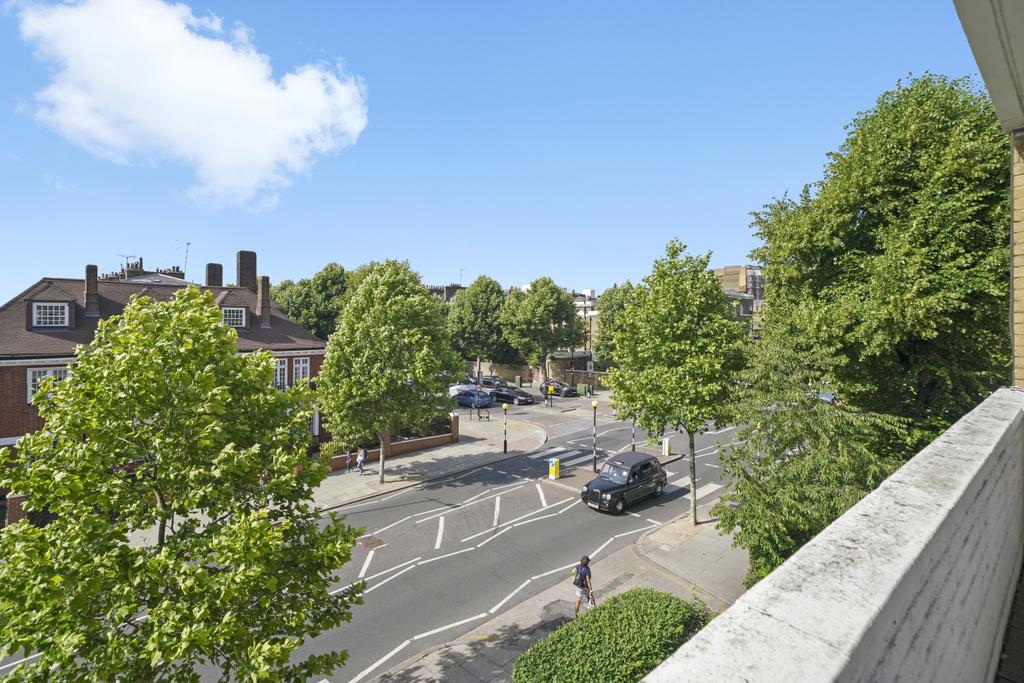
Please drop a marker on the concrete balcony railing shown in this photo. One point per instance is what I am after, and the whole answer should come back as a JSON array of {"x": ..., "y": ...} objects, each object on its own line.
[{"x": 915, "y": 582}]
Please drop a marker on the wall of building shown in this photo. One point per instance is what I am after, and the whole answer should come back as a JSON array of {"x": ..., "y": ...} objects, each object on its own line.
[
  {"x": 17, "y": 416},
  {"x": 914, "y": 582}
]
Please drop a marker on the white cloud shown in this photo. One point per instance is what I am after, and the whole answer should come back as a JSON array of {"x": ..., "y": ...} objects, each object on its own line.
[{"x": 139, "y": 79}]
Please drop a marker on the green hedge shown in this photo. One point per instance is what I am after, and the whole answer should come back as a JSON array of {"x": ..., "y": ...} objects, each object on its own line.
[{"x": 622, "y": 639}]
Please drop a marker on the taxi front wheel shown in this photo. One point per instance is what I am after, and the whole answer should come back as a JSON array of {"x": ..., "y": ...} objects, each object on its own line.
[{"x": 618, "y": 506}]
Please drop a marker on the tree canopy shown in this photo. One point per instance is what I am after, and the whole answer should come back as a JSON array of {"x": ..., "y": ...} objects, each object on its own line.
[
  {"x": 473, "y": 319},
  {"x": 679, "y": 346},
  {"x": 389, "y": 362},
  {"x": 541, "y": 320},
  {"x": 610, "y": 307},
  {"x": 315, "y": 302},
  {"x": 184, "y": 533}
]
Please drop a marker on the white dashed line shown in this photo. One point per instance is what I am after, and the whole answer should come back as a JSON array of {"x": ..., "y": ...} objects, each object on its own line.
[
  {"x": 390, "y": 578},
  {"x": 380, "y": 531},
  {"x": 441, "y": 557},
  {"x": 440, "y": 533},
  {"x": 509, "y": 596},
  {"x": 391, "y": 569},
  {"x": 362, "y": 674},
  {"x": 634, "y": 531},
  {"x": 543, "y": 501},
  {"x": 707, "y": 464},
  {"x": 448, "y": 626}
]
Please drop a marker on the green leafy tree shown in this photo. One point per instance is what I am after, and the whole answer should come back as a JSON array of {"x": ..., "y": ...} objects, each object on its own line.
[
  {"x": 610, "y": 306},
  {"x": 473, "y": 320},
  {"x": 541, "y": 320},
  {"x": 805, "y": 455},
  {"x": 388, "y": 363},
  {"x": 902, "y": 249},
  {"x": 679, "y": 346},
  {"x": 184, "y": 532},
  {"x": 315, "y": 302}
]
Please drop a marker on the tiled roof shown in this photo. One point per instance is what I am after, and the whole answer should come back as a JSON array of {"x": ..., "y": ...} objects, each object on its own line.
[{"x": 17, "y": 342}]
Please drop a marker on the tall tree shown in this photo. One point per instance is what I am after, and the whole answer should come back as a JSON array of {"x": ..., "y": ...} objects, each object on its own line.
[
  {"x": 315, "y": 302},
  {"x": 162, "y": 431},
  {"x": 610, "y": 306},
  {"x": 902, "y": 247},
  {"x": 679, "y": 346},
  {"x": 388, "y": 362},
  {"x": 473, "y": 320},
  {"x": 804, "y": 456},
  {"x": 541, "y": 320}
]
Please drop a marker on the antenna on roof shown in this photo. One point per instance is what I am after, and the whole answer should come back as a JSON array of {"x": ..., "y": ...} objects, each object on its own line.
[
  {"x": 184, "y": 271},
  {"x": 126, "y": 257}
]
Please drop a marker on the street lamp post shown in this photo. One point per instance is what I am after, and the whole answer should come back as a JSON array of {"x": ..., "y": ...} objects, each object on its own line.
[
  {"x": 504, "y": 406},
  {"x": 632, "y": 442},
  {"x": 594, "y": 406}
]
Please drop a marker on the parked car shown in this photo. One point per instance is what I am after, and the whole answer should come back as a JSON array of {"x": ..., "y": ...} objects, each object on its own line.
[
  {"x": 493, "y": 381},
  {"x": 472, "y": 398},
  {"x": 623, "y": 481},
  {"x": 511, "y": 395},
  {"x": 561, "y": 388}
]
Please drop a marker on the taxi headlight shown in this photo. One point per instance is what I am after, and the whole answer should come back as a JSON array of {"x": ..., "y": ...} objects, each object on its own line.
[{"x": 606, "y": 496}]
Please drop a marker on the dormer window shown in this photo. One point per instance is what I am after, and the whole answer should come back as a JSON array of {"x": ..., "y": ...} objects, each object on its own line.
[
  {"x": 49, "y": 315},
  {"x": 233, "y": 317}
]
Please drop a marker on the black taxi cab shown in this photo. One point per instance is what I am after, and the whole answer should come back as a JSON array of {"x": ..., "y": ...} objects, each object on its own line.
[{"x": 624, "y": 480}]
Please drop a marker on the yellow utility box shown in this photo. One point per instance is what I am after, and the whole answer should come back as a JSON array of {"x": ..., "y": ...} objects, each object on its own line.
[{"x": 554, "y": 466}]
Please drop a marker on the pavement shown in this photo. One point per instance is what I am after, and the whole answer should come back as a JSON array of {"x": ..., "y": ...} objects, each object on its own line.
[
  {"x": 480, "y": 443},
  {"x": 679, "y": 558}
]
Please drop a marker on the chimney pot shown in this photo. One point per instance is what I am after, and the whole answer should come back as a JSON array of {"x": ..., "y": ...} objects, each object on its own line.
[
  {"x": 246, "y": 270},
  {"x": 92, "y": 292},
  {"x": 214, "y": 275},
  {"x": 263, "y": 301}
]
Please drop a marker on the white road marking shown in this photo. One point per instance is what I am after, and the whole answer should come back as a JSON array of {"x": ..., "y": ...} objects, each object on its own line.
[
  {"x": 379, "y": 531},
  {"x": 362, "y": 674},
  {"x": 589, "y": 457},
  {"x": 441, "y": 557},
  {"x": 707, "y": 464},
  {"x": 722, "y": 431},
  {"x": 635, "y": 531},
  {"x": 536, "y": 519},
  {"x": 653, "y": 521},
  {"x": 569, "y": 506},
  {"x": 489, "y": 469},
  {"x": 512, "y": 521},
  {"x": 486, "y": 491},
  {"x": 465, "y": 505},
  {"x": 20, "y": 661},
  {"x": 366, "y": 562},
  {"x": 440, "y": 509},
  {"x": 543, "y": 501},
  {"x": 440, "y": 533},
  {"x": 509, "y": 596},
  {"x": 386, "y": 571},
  {"x": 632, "y": 514},
  {"x": 549, "y": 573},
  {"x": 445, "y": 628},
  {"x": 369, "y": 502},
  {"x": 488, "y": 540},
  {"x": 465, "y": 474},
  {"x": 390, "y": 578},
  {"x": 600, "y": 548},
  {"x": 497, "y": 510},
  {"x": 546, "y": 454}
]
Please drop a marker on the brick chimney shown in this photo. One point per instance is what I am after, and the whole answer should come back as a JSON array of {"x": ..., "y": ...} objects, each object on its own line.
[
  {"x": 246, "y": 270},
  {"x": 214, "y": 275},
  {"x": 263, "y": 301},
  {"x": 92, "y": 292}
]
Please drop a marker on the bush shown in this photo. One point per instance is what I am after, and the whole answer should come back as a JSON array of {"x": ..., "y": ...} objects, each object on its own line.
[{"x": 622, "y": 639}]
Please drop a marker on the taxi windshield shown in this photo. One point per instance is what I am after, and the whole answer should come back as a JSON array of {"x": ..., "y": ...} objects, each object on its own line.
[{"x": 614, "y": 474}]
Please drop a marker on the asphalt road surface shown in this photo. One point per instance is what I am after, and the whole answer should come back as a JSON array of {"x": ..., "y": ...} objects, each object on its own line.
[{"x": 442, "y": 557}]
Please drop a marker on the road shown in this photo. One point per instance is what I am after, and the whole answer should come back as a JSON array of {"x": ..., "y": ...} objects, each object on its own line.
[{"x": 441, "y": 558}]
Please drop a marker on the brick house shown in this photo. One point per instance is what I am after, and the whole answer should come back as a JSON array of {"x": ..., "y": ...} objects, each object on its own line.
[{"x": 40, "y": 328}]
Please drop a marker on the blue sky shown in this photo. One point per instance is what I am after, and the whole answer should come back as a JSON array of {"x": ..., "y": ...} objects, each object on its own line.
[{"x": 571, "y": 139}]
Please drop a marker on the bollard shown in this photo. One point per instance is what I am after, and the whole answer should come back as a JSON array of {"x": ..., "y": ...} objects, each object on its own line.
[{"x": 554, "y": 466}]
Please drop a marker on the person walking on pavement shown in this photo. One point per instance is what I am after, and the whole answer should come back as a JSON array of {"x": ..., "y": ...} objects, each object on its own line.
[
  {"x": 584, "y": 586},
  {"x": 361, "y": 460}
]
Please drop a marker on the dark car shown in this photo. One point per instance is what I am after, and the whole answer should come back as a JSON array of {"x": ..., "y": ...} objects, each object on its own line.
[
  {"x": 471, "y": 398},
  {"x": 624, "y": 480},
  {"x": 493, "y": 381},
  {"x": 561, "y": 388},
  {"x": 511, "y": 395}
]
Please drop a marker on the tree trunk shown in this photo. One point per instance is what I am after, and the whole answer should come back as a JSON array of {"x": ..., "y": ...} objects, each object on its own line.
[
  {"x": 478, "y": 369},
  {"x": 380, "y": 460},
  {"x": 693, "y": 479},
  {"x": 544, "y": 366}
]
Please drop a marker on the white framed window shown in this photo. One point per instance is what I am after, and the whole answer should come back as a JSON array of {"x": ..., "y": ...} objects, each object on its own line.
[
  {"x": 300, "y": 369},
  {"x": 49, "y": 315},
  {"x": 37, "y": 375},
  {"x": 281, "y": 374},
  {"x": 233, "y": 316}
]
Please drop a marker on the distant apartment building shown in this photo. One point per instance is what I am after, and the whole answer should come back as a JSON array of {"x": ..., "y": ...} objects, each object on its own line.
[
  {"x": 445, "y": 292},
  {"x": 744, "y": 285},
  {"x": 40, "y": 328}
]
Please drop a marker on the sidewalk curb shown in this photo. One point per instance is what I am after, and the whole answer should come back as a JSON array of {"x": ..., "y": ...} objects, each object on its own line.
[
  {"x": 360, "y": 499},
  {"x": 694, "y": 588}
]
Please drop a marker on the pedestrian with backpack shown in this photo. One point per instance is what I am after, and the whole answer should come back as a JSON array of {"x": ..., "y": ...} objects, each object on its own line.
[{"x": 584, "y": 586}]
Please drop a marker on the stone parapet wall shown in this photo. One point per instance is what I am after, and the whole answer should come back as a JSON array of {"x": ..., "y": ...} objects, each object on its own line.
[{"x": 915, "y": 582}]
